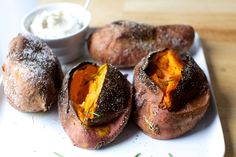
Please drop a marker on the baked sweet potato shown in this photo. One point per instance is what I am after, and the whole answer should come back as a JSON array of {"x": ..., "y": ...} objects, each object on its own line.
[
  {"x": 94, "y": 104},
  {"x": 32, "y": 74},
  {"x": 171, "y": 94},
  {"x": 125, "y": 43}
]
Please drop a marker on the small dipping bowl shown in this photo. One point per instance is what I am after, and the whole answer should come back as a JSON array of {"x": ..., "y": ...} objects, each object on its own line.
[{"x": 69, "y": 47}]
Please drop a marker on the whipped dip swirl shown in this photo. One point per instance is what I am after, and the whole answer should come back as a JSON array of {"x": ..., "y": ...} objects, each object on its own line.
[{"x": 54, "y": 24}]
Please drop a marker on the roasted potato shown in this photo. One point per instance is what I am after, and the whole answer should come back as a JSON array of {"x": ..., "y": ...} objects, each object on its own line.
[
  {"x": 32, "y": 74},
  {"x": 94, "y": 104},
  {"x": 171, "y": 94},
  {"x": 124, "y": 43}
]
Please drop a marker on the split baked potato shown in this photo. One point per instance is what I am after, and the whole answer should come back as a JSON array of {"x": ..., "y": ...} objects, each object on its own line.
[
  {"x": 94, "y": 104},
  {"x": 124, "y": 43},
  {"x": 171, "y": 94},
  {"x": 32, "y": 74}
]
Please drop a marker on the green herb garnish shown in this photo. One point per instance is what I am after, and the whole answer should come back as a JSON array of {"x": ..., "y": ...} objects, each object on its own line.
[
  {"x": 94, "y": 113},
  {"x": 58, "y": 154},
  {"x": 151, "y": 126},
  {"x": 83, "y": 125},
  {"x": 170, "y": 155},
  {"x": 86, "y": 117},
  {"x": 137, "y": 155}
]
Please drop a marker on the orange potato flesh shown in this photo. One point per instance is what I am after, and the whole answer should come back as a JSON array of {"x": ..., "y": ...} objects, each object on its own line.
[
  {"x": 85, "y": 87},
  {"x": 165, "y": 71}
]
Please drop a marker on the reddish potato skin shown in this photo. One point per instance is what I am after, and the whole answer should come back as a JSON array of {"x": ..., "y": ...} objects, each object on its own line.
[
  {"x": 124, "y": 43},
  {"x": 161, "y": 123},
  {"x": 88, "y": 137},
  {"x": 32, "y": 75}
]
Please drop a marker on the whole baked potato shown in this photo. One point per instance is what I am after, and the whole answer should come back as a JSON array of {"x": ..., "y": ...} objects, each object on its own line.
[
  {"x": 94, "y": 104},
  {"x": 124, "y": 43},
  {"x": 32, "y": 74},
  {"x": 171, "y": 94}
]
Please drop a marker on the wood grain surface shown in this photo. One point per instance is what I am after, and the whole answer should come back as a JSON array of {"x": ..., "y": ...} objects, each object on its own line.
[{"x": 214, "y": 20}]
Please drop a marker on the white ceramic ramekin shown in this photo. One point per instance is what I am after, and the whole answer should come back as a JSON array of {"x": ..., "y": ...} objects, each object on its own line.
[{"x": 69, "y": 47}]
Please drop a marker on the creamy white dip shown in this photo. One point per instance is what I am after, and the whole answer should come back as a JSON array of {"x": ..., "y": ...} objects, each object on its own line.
[{"x": 54, "y": 24}]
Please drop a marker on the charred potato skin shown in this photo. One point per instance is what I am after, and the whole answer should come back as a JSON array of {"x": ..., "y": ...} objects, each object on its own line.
[
  {"x": 194, "y": 82},
  {"x": 114, "y": 86},
  {"x": 161, "y": 123},
  {"x": 39, "y": 72},
  {"x": 88, "y": 136},
  {"x": 124, "y": 43}
]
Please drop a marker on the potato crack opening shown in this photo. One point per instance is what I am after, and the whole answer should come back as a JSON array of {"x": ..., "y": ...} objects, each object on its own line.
[
  {"x": 165, "y": 70},
  {"x": 85, "y": 88}
]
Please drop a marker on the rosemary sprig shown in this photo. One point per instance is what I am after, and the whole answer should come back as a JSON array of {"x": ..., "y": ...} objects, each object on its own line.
[
  {"x": 151, "y": 126},
  {"x": 137, "y": 155},
  {"x": 58, "y": 154},
  {"x": 86, "y": 117},
  {"x": 93, "y": 113},
  {"x": 170, "y": 155},
  {"x": 83, "y": 125}
]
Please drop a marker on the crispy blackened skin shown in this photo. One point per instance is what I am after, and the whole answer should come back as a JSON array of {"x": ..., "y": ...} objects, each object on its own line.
[
  {"x": 192, "y": 84},
  {"x": 112, "y": 100},
  {"x": 124, "y": 43},
  {"x": 113, "y": 97}
]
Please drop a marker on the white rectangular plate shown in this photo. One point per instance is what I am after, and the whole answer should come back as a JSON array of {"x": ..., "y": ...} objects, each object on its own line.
[{"x": 40, "y": 134}]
